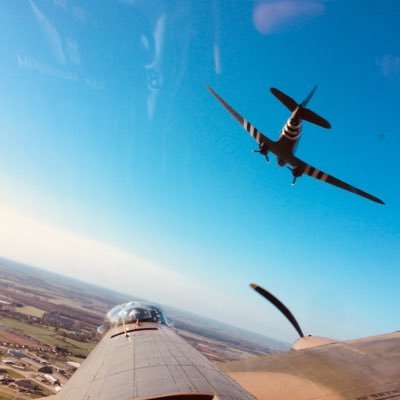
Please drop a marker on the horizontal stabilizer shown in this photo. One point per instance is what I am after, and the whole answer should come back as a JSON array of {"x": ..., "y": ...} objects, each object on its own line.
[
  {"x": 311, "y": 116},
  {"x": 284, "y": 98}
]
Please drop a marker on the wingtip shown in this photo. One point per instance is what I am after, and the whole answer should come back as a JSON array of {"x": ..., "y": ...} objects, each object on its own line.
[
  {"x": 370, "y": 197},
  {"x": 210, "y": 89},
  {"x": 376, "y": 199}
]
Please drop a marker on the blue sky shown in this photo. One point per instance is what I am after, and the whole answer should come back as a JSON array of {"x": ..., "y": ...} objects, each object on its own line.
[{"x": 108, "y": 136}]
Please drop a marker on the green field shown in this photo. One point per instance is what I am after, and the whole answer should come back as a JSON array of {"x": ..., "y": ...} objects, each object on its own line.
[
  {"x": 49, "y": 336},
  {"x": 8, "y": 394},
  {"x": 14, "y": 374},
  {"x": 71, "y": 303},
  {"x": 29, "y": 310}
]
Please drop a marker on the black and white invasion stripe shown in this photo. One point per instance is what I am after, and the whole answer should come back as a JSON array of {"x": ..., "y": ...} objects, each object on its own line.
[
  {"x": 253, "y": 131},
  {"x": 291, "y": 130},
  {"x": 315, "y": 173}
]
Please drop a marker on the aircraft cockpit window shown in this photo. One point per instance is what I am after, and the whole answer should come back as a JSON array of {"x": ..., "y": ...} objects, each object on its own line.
[{"x": 134, "y": 311}]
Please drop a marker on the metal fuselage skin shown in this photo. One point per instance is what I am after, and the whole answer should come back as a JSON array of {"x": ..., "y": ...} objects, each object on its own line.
[
  {"x": 289, "y": 137},
  {"x": 146, "y": 362}
]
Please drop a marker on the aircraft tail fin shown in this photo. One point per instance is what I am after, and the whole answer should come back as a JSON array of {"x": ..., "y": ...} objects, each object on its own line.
[
  {"x": 304, "y": 113},
  {"x": 308, "y": 98}
]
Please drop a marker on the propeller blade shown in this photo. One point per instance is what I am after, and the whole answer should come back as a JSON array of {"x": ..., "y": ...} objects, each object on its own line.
[{"x": 279, "y": 305}]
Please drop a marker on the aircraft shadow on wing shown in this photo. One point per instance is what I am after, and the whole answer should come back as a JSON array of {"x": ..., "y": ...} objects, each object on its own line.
[{"x": 284, "y": 148}]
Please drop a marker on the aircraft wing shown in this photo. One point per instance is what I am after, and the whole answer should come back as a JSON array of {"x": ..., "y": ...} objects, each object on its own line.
[
  {"x": 324, "y": 177},
  {"x": 153, "y": 362},
  {"x": 362, "y": 369},
  {"x": 251, "y": 129}
]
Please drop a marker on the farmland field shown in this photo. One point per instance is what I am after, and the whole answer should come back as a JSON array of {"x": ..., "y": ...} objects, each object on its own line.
[
  {"x": 49, "y": 336},
  {"x": 33, "y": 311}
]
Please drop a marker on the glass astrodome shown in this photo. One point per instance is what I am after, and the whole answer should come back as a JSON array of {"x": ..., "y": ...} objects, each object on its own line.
[{"x": 142, "y": 311}]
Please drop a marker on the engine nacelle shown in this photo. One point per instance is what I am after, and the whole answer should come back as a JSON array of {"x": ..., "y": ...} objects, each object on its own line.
[
  {"x": 296, "y": 172},
  {"x": 281, "y": 162}
]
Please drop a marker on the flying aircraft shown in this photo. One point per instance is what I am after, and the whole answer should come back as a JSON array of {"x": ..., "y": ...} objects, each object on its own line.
[
  {"x": 288, "y": 140},
  {"x": 141, "y": 357}
]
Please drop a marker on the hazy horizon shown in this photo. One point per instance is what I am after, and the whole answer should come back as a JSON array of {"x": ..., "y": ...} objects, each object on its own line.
[{"x": 171, "y": 311}]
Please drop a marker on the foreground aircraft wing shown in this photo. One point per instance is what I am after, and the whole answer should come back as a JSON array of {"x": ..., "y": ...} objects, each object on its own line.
[
  {"x": 153, "y": 362},
  {"x": 362, "y": 369},
  {"x": 251, "y": 129},
  {"x": 324, "y": 177}
]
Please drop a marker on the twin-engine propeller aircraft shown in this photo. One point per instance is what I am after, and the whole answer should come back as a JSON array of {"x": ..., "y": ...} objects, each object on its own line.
[
  {"x": 140, "y": 357},
  {"x": 289, "y": 137}
]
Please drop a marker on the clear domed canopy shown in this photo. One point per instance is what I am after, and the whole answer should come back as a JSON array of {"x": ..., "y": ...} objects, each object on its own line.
[{"x": 133, "y": 311}]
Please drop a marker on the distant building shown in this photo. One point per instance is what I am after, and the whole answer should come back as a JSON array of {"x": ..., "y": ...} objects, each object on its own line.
[
  {"x": 51, "y": 379},
  {"x": 18, "y": 366},
  {"x": 40, "y": 360},
  {"x": 16, "y": 353}
]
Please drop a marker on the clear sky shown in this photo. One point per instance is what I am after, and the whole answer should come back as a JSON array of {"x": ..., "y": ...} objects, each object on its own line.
[{"x": 118, "y": 167}]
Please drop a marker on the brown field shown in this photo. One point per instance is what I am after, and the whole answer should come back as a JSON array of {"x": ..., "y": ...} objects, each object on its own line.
[{"x": 15, "y": 339}]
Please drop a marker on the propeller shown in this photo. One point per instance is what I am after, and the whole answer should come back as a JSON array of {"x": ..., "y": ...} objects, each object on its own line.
[
  {"x": 296, "y": 172},
  {"x": 304, "y": 342},
  {"x": 279, "y": 305},
  {"x": 263, "y": 149}
]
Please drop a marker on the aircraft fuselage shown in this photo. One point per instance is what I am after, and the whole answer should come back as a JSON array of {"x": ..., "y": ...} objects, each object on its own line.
[{"x": 289, "y": 138}]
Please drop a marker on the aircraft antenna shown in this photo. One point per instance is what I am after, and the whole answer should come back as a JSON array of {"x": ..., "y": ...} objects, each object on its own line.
[{"x": 123, "y": 324}]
